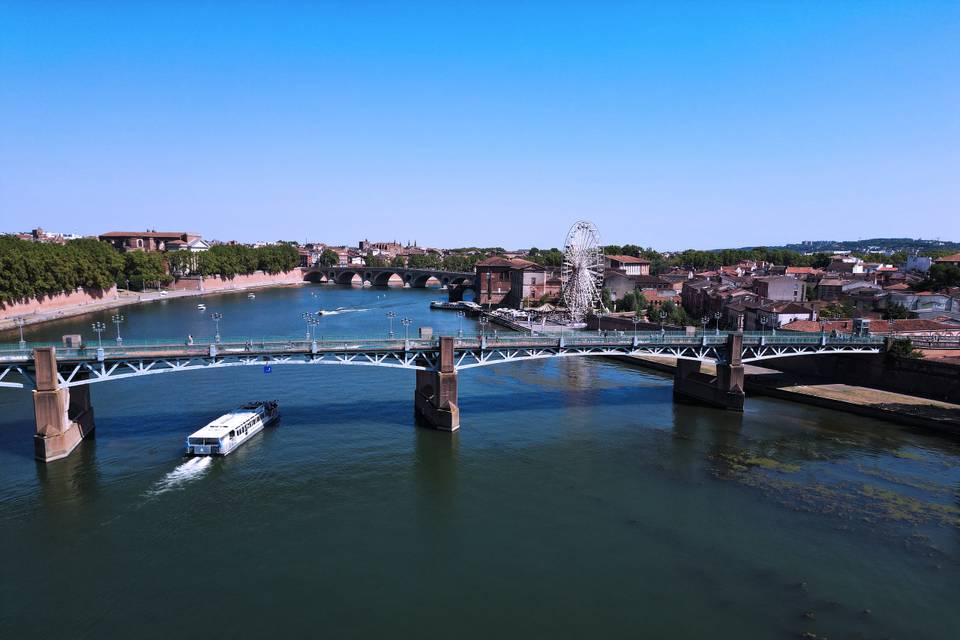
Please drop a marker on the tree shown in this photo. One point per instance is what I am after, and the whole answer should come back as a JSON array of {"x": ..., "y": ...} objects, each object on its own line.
[
  {"x": 902, "y": 348},
  {"x": 424, "y": 261},
  {"x": 375, "y": 260},
  {"x": 329, "y": 258},
  {"x": 896, "y": 311},
  {"x": 606, "y": 299},
  {"x": 398, "y": 261},
  {"x": 838, "y": 310},
  {"x": 144, "y": 268}
]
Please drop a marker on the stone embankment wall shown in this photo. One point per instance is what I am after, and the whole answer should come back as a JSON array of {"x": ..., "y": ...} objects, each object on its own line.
[
  {"x": 80, "y": 298},
  {"x": 913, "y": 376},
  {"x": 255, "y": 279}
]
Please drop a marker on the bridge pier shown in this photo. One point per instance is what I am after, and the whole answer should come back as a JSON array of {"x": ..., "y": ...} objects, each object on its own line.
[
  {"x": 435, "y": 398},
  {"x": 64, "y": 416},
  {"x": 725, "y": 390}
]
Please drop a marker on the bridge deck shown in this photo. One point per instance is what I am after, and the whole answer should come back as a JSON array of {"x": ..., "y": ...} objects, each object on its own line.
[{"x": 279, "y": 345}]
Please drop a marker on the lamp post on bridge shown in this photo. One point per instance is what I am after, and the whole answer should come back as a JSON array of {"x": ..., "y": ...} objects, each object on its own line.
[
  {"x": 99, "y": 328},
  {"x": 636, "y": 323},
  {"x": 406, "y": 322},
  {"x": 118, "y": 320},
  {"x": 763, "y": 325},
  {"x": 216, "y": 317},
  {"x": 390, "y": 316},
  {"x": 703, "y": 321},
  {"x": 483, "y": 326},
  {"x": 460, "y": 315},
  {"x": 312, "y": 322},
  {"x": 306, "y": 319},
  {"x": 20, "y": 322},
  {"x": 663, "y": 316},
  {"x": 716, "y": 318}
]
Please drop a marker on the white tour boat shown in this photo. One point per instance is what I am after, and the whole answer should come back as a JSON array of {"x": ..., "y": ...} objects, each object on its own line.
[
  {"x": 201, "y": 307},
  {"x": 230, "y": 430}
]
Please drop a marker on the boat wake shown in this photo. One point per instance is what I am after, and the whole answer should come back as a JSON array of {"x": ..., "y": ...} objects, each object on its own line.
[
  {"x": 338, "y": 311},
  {"x": 190, "y": 470}
]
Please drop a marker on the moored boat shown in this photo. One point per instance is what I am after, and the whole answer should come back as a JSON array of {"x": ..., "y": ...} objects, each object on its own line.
[{"x": 230, "y": 430}]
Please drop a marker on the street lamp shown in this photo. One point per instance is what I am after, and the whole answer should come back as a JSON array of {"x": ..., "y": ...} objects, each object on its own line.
[
  {"x": 391, "y": 315},
  {"x": 716, "y": 318},
  {"x": 306, "y": 318},
  {"x": 460, "y": 315},
  {"x": 312, "y": 323},
  {"x": 118, "y": 320},
  {"x": 406, "y": 322},
  {"x": 483, "y": 326},
  {"x": 99, "y": 327},
  {"x": 20, "y": 322},
  {"x": 763, "y": 325},
  {"x": 703, "y": 321},
  {"x": 663, "y": 316},
  {"x": 216, "y": 317},
  {"x": 636, "y": 323}
]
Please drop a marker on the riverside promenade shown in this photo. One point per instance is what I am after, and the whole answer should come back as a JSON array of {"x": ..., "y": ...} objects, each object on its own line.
[{"x": 125, "y": 297}]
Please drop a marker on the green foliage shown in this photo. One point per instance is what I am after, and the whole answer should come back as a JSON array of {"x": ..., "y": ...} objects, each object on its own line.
[
  {"x": 606, "y": 299},
  {"x": 144, "y": 269},
  {"x": 835, "y": 310},
  {"x": 943, "y": 275},
  {"x": 902, "y": 348},
  {"x": 375, "y": 261},
  {"x": 675, "y": 314},
  {"x": 398, "y": 261},
  {"x": 425, "y": 261},
  {"x": 33, "y": 269},
  {"x": 896, "y": 311},
  {"x": 461, "y": 261},
  {"x": 550, "y": 258},
  {"x": 329, "y": 258},
  {"x": 632, "y": 301}
]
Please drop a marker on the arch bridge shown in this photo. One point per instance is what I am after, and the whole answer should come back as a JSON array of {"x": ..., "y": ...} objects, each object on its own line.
[
  {"x": 60, "y": 377},
  {"x": 456, "y": 282}
]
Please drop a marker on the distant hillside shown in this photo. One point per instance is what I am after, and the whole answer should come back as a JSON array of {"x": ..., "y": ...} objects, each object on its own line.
[{"x": 875, "y": 245}]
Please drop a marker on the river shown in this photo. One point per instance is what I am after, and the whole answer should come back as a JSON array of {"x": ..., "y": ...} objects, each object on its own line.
[{"x": 577, "y": 500}]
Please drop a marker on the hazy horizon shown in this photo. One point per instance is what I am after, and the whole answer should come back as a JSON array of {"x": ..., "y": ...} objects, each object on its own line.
[{"x": 670, "y": 125}]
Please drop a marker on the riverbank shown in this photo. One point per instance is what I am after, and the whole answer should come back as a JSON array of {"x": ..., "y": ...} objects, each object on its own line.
[
  {"x": 943, "y": 417},
  {"x": 125, "y": 298}
]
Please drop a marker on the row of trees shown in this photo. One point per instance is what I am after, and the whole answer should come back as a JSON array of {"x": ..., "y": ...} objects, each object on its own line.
[
  {"x": 34, "y": 269},
  {"x": 226, "y": 260}
]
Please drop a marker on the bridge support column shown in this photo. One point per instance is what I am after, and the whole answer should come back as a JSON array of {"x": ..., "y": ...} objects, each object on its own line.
[
  {"x": 725, "y": 390},
  {"x": 435, "y": 399},
  {"x": 64, "y": 416}
]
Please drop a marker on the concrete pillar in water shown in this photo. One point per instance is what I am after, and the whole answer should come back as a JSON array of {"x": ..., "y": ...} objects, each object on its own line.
[
  {"x": 63, "y": 416},
  {"x": 435, "y": 399},
  {"x": 725, "y": 390}
]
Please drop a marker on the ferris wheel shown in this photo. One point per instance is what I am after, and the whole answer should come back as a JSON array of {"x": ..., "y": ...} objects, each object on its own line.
[{"x": 582, "y": 272}]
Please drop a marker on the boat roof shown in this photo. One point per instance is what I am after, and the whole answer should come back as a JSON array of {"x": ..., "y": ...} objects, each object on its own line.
[{"x": 225, "y": 423}]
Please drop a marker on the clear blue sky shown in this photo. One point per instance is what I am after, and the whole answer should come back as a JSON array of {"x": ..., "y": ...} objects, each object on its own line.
[{"x": 674, "y": 124}]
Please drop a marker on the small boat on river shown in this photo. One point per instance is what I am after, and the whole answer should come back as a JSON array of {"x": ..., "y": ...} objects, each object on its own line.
[
  {"x": 231, "y": 430},
  {"x": 201, "y": 307}
]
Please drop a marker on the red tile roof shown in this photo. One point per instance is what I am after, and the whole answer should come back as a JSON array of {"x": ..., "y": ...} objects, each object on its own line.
[
  {"x": 876, "y": 326},
  {"x": 952, "y": 258},
  {"x": 628, "y": 259},
  {"x": 515, "y": 263},
  {"x": 144, "y": 234}
]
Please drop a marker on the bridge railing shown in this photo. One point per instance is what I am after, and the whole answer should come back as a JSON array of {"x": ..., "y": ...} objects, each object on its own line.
[{"x": 201, "y": 347}]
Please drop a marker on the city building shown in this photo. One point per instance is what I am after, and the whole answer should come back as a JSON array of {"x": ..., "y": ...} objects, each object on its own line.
[
  {"x": 780, "y": 288},
  {"x": 505, "y": 282},
  {"x": 951, "y": 259},
  {"x": 627, "y": 264},
  {"x": 146, "y": 240}
]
